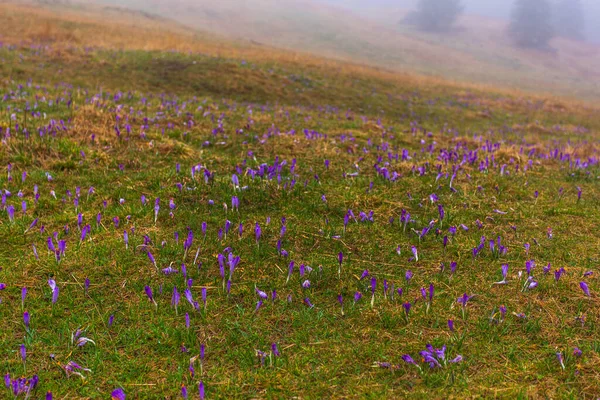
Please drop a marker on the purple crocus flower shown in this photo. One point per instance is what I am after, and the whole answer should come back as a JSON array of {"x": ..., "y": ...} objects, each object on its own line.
[
  {"x": 50, "y": 244},
  {"x": 408, "y": 275},
  {"x": 184, "y": 392},
  {"x": 152, "y": 259},
  {"x": 415, "y": 253},
  {"x": 202, "y": 352},
  {"x": 441, "y": 212},
  {"x": 55, "y": 293},
  {"x": 26, "y": 319},
  {"x": 201, "y": 390},
  {"x": 561, "y": 360},
  {"x": 10, "y": 210},
  {"x": 189, "y": 297},
  {"x": 357, "y": 297},
  {"x": 532, "y": 284},
  {"x": 275, "y": 350},
  {"x": 464, "y": 299},
  {"x": 257, "y": 232},
  {"x": 408, "y": 359},
  {"x": 290, "y": 271},
  {"x": 308, "y": 303},
  {"x": 156, "y": 208},
  {"x": 175, "y": 298},
  {"x": 585, "y": 288},
  {"x": 118, "y": 394},
  {"x": 453, "y": 266},
  {"x": 431, "y": 292},
  {"x": 529, "y": 265},
  {"x": 23, "y": 352},
  {"x": 262, "y": 294},
  {"x": 430, "y": 359},
  {"x": 148, "y": 291},
  {"x": 32, "y": 225},
  {"x": 451, "y": 325},
  {"x": 364, "y": 274},
  {"x": 504, "y": 274},
  {"x": 407, "y": 307},
  {"x": 502, "y": 312},
  {"x": 169, "y": 270}
]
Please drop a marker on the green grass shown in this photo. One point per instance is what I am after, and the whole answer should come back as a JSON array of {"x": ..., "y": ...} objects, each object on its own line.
[{"x": 323, "y": 353}]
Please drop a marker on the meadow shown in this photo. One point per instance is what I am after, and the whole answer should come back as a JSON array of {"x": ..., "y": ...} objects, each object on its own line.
[{"x": 188, "y": 217}]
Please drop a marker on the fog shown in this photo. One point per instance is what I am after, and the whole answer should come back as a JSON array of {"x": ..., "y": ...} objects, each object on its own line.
[{"x": 488, "y": 8}]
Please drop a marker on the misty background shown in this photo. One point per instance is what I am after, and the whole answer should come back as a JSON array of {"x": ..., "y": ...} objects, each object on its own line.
[{"x": 500, "y": 9}]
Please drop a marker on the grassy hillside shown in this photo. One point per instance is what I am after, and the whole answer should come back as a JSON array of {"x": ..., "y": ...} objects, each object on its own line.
[
  {"x": 478, "y": 52},
  {"x": 140, "y": 159}
]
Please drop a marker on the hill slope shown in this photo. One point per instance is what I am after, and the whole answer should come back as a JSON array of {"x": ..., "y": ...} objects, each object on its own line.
[{"x": 480, "y": 52}]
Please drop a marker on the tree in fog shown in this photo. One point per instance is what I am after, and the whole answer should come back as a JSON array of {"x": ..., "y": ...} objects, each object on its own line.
[
  {"x": 569, "y": 19},
  {"x": 531, "y": 23},
  {"x": 436, "y": 15}
]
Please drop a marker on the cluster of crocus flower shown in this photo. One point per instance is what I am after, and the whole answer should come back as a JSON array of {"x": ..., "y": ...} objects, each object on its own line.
[
  {"x": 271, "y": 355},
  {"x": 435, "y": 358},
  {"x": 21, "y": 386}
]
